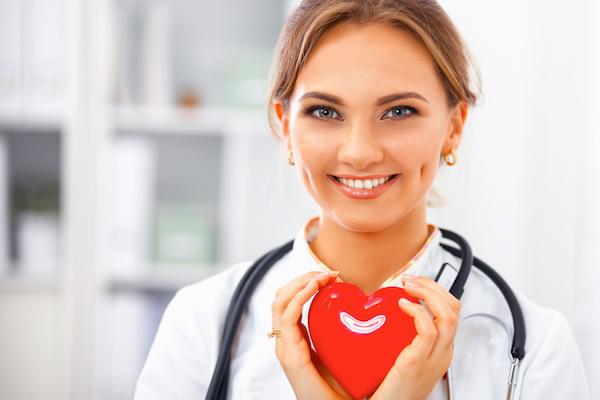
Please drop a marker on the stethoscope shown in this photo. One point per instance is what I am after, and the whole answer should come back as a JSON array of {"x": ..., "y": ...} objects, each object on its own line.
[{"x": 217, "y": 389}]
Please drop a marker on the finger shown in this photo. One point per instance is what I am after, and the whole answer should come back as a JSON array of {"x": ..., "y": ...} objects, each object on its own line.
[
  {"x": 444, "y": 317},
  {"x": 426, "y": 336},
  {"x": 433, "y": 285},
  {"x": 305, "y": 334},
  {"x": 292, "y": 287},
  {"x": 293, "y": 344},
  {"x": 285, "y": 294},
  {"x": 293, "y": 311},
  {"x": 296, "y": 284},
  {"x": 292, "y": 347}
]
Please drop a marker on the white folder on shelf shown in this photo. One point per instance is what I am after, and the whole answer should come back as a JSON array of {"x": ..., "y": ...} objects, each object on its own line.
[
  {"x": 4, "y": 207},
  {"x": 133, "y": 204}
]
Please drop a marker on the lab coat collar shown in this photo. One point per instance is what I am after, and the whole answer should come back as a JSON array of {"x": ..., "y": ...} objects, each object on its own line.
[{"x": 425, "y": 263}]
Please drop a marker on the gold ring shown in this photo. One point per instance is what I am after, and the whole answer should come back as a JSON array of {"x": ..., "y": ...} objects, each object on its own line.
[{"x": 274, "y": 332}]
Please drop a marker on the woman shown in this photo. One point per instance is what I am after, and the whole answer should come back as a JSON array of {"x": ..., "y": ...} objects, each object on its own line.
[{"x": 370, "y": 98}]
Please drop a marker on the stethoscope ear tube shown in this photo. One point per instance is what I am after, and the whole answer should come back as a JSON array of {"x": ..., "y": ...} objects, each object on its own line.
[
  {"x": 465, "y": 253},
  {"x": 518, "y": 344}
]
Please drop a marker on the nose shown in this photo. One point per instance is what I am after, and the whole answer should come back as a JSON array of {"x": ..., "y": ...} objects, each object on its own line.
[{"x": 360, "y": 147}]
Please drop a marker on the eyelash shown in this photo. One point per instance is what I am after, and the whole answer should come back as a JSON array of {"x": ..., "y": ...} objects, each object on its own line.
[{"x": 309, "y": 111}]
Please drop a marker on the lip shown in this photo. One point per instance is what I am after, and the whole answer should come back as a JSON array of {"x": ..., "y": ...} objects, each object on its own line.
[
  {"x": 363, "y": 177},
  {"x": 363, "y": 194}
]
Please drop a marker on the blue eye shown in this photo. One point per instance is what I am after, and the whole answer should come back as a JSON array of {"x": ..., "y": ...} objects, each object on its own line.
[
  {"x": 401, "y": 113},
  {"x": 322, "y": 112}
]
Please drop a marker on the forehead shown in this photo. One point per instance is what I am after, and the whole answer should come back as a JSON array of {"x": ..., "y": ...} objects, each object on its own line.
[{"x": 369, "y": 61}]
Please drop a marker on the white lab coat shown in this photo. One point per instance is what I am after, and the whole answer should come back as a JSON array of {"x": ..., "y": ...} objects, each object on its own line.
[{"x": 181, "y": 361}]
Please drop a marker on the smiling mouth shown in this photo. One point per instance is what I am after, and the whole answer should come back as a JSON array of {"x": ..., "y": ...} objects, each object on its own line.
[{"x": 363, "y": 183}]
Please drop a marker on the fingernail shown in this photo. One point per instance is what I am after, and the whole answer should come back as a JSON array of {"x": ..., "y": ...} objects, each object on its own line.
[
  {"x": 405, "y": 301},
  {"x": 321, "y": 275},
  {"x": 334, "y": 273},
  {"x": 409, "y": 276}
]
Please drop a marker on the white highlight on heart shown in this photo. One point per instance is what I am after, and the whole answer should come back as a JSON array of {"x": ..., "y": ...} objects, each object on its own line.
[{"x": 362, "y": 327}]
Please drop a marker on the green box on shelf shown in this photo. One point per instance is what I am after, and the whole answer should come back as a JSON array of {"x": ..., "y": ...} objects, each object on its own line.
[{"x": 184, "y": 235}]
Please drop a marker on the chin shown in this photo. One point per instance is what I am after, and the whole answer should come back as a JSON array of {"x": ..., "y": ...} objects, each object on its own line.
[{"x": 363, "y": 222}]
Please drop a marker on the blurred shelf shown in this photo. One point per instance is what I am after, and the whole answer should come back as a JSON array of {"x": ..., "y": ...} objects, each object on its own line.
[
  {"x": 162, "y": 279},
  {"x": 201, "y": 121},
  {"x": 34, "y": 120}
]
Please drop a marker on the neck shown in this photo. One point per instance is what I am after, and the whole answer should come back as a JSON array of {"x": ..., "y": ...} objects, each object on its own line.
[{"x": 367, "y": 259}]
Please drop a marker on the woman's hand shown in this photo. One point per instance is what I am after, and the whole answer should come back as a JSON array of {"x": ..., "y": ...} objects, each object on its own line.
[
  {"x": 422, "y": 364},
  {"x": 309, "y": 378}
]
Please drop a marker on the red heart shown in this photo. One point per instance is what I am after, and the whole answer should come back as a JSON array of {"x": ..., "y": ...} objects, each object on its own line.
[{"x": 358, "y": 337}]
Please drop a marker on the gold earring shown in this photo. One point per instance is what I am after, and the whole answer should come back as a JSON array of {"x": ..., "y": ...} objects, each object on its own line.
[
  {"x": 453, "y": 154},
  {"x": 290, "y": 158}
]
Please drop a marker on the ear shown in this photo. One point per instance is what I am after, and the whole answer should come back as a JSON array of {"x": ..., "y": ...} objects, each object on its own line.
[
  {"x": 283, "y": 116},
  {"x": 458, "y": 118}
]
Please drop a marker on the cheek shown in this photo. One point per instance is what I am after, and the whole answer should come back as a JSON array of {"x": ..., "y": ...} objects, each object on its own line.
[
  {"x": 414, "y": 154},
  {"x": 314, "y": 148},
  {"x": 417, "y": 158}
]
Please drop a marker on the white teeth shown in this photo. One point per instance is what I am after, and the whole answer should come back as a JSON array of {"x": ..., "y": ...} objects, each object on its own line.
[{"x": 364, "y": 183}]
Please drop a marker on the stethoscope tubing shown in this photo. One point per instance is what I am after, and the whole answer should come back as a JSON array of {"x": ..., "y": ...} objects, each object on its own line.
[
  {"x": 519, "y": 334},
  {"x": 218, "y": 385},
  {"x": 519, "y": 331},
  {"x": 239, "y": 304}
]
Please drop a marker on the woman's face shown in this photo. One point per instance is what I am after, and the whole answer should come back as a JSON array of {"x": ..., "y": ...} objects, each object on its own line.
[{"x": 369, "y": 104}]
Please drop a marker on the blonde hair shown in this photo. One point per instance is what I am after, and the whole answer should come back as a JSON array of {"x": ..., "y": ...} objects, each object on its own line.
[{"x": 425, "y": 19}]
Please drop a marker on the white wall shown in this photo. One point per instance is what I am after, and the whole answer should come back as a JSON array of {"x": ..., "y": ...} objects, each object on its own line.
[{"x": 526, "y": 191}]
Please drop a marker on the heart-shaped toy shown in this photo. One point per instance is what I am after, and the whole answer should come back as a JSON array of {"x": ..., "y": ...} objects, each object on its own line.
[{"x": 358, "y": 337}]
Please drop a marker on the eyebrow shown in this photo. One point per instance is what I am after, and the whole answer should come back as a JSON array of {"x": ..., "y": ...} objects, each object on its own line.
[{"x": 381, "y": 101}]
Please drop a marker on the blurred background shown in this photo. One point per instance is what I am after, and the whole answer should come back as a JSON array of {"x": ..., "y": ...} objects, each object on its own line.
[{"x": 135, "y": 159}]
